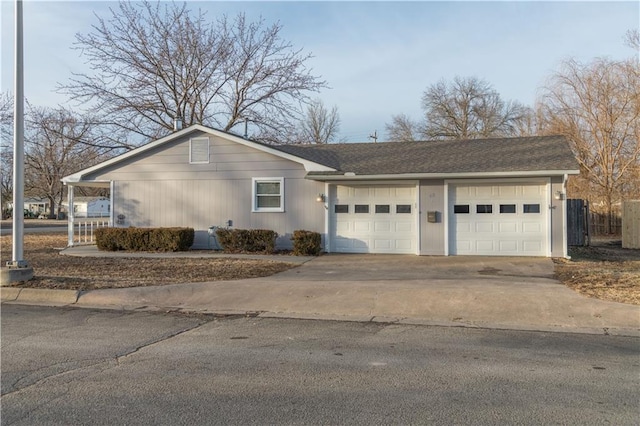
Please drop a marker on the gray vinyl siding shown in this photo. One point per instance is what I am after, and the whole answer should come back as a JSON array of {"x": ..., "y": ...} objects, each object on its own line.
[
  {"x": 432, "y": 235},
  {"x": 163, "y": 189}
]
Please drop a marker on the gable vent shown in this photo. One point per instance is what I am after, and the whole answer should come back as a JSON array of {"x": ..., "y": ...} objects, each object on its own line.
[{"x": 199, "y": 150}]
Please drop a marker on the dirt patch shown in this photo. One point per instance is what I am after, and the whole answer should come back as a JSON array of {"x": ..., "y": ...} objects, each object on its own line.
[
  {"x": 54, "y": 271},
  {"x": 603, "y": 270}
]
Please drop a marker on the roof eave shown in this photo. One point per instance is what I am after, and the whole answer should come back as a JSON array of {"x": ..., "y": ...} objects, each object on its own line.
[{"x": 465, "y": 175}]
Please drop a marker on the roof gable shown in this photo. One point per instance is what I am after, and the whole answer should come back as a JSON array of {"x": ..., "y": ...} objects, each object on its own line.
[{"x": 309, "y": 165}]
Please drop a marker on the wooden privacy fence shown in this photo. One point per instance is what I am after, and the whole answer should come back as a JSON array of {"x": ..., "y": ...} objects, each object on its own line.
[
  {"x": 604, "y": 224},
  {"x": 583, "y": 224},
  {"x": 631, "y": 224}
]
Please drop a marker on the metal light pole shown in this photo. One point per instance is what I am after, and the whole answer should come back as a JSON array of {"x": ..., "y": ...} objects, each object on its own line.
[
  {"x": 18, "y": 147},
  {"x": 18, "y": 269}
]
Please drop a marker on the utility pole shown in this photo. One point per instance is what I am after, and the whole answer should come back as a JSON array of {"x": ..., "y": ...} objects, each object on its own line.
[
  {"x": 374, "y": 136},
  {"x": 18, "y": 269}
]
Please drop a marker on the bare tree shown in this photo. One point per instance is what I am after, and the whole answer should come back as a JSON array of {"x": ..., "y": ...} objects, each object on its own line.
[
  {"x": 54, "y": 148},
  {"x": 402, "y": 129},
  {"x": 319, "y": 125},
  {"x": 468, "y": 108},
  {"x": 6, "y": 150},
  {"x": 596, "y": 106},
  {"x": 154, "y": 62},
  {"x": 632, "y": 39}
]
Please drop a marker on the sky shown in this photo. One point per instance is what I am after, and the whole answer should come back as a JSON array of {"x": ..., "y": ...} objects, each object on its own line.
[{"x": 377, "y": 57}]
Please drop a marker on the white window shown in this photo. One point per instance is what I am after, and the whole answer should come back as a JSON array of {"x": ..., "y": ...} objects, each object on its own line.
[
  {"x": 199, "y": 150},
  {"x": 268, "y": 195}
]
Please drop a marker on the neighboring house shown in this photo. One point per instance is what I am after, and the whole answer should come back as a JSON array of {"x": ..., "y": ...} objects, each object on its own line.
[
  {"x": 87, "y": 207},
  {"x": 471, "y": 197},
  {"x": 36, "y": 205}
]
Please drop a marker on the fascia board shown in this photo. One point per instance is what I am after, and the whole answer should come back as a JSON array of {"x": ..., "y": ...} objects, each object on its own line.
[{"x": 443, "y": 175}]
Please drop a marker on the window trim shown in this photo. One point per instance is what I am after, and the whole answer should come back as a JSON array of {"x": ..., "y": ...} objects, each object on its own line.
[
  {"x": 484, "y": 208},
  {"x": 335, "y": 208},
  {"x": 254, "y": 195},
  {"x": 527, "y": 208},
  {"x": 402, "y": 206},
  {"x": 461, "y": 208},
  {"x": 199, "y": 139},
  {"x": 355, "y": 208}
]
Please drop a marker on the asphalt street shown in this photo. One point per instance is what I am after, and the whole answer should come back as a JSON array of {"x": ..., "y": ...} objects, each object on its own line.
[{"x": 82, "y": 366}]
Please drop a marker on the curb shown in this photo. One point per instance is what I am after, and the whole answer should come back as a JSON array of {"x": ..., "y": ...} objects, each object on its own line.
[
  {"x": 39, "y": 296},
  {"x": 47, "y": 297}
]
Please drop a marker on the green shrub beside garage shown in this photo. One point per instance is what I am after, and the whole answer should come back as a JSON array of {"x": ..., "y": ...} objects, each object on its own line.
[{"x": 144, "y": 239}]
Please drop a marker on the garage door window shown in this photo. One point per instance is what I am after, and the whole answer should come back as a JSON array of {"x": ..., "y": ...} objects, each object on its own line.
[
  {"x": 383, "y": 208},
  {"x": 507, "y": 208},
  {"x": 403, "y": 208},
  {"x": 531, "y": 208},
  {"x": 362, "y": 208},
  {"x": 341, "y": 208},
  {"x": 461, "y": 208},
  {"x": 484, "y": 208}
]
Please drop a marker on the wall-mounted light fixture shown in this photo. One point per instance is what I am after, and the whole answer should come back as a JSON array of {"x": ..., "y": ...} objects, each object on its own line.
[
  {"x": 558, "y": 195},
  {"x": 321, "y": 198}
]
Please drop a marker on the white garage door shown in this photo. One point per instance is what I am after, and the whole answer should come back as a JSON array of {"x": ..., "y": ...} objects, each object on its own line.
[
  {"x": 373, "y": 219},
  {"x": 500, "y": 219}
]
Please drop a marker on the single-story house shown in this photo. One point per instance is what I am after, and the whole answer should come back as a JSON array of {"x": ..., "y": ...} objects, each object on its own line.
[
  {"x": 499, "y": 196},
  {"x": 89, "y": 207}
]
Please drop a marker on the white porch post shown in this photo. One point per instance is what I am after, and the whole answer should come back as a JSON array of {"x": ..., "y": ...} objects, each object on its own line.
[
  {"x": 111, "y": 204},
  {"x": 70, "y": 216}
]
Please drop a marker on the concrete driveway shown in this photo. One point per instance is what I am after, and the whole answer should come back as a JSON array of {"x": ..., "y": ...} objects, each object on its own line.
[
  {"x": 461, "y": 269},
  {"x": 492, "y": 292}
]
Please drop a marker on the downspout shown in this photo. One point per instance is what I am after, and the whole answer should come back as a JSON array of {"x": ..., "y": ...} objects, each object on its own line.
[
  {"x": 111, "y": 204},
  {"x": 327, "y": 206},
  {"x": 565, "y": 252},
  {"x": 70, "y": 216}
]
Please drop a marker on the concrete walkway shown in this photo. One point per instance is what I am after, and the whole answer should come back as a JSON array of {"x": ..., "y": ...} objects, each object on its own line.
[{"x": 487, "y": 292}]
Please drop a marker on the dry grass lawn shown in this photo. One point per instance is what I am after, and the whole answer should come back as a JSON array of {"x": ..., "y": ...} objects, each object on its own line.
[
  {"x": 603, "y": 270},
  {"x": 55, "y": 271}
]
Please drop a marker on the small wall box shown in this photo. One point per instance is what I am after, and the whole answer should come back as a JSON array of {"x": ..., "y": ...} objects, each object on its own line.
[{"x": 432, "y": 217}]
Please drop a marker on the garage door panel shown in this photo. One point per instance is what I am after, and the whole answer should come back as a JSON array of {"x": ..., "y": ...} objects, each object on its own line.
[
  {"x": 531, "y": 246},
  {"x": 484, "y": 245},
  {"x": 407, "y": 193},
  {"x": 507, "y": 191},
  {"x": 380, "y": 226},
  {"x": 385, "y": 232},
  {"x": 404, "y": 227},
  {"x": 507, "y": 227},
  {"x": 382, "y": 192},
  {"x": 343, "y": 227},
  {"x": 383, "y": 244},
  {"x": 484, "y": 226},
  {"x": 463, "y": 227},
  {"x": 483, "y": 191},
  {"x": 508, "y": 246},
  {"x": 534, "y": 191},
  {"x": 361, "y": 226},
  {"x": 531, "y": 227},
  {"x": 512, "y": 232},
  {"x": 362, "y": 193}
]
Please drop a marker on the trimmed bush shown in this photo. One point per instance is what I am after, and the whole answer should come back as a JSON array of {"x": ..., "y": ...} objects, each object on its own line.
[
  {"x": 144, "y": 239},
  {"x": 306, "y": 243},
  {"x": 247, "y": 240}
]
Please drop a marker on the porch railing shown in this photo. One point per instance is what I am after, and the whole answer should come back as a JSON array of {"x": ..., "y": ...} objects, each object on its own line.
[{"x": 84, "y": 229}]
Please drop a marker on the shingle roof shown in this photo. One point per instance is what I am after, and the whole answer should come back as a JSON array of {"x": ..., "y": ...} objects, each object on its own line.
[{"x": 457, "y": 156}]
